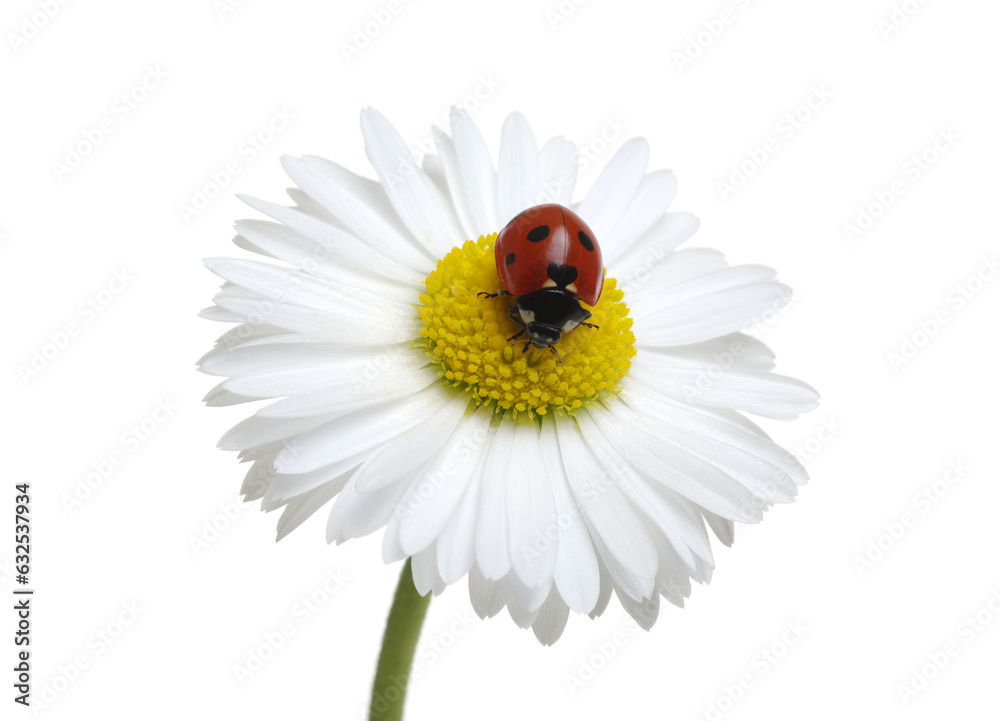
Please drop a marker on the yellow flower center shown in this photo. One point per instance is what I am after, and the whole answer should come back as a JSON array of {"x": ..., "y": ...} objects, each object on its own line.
[{"x": 466, "y": 335}]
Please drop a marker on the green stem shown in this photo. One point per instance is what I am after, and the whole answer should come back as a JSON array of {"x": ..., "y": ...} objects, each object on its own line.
[{"x": 402, "y": 631}]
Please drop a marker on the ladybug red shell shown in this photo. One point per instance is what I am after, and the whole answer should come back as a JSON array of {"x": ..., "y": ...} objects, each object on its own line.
[
  {"x": 550, "y": 260},
  {"x": 549, "y": 246}
]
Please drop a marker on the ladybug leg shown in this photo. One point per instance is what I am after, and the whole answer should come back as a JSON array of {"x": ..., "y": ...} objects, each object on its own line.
[
  {"x": 515, "y": 317},
  {"x": 527, "y": 345},
  {"x": 484, "y": 294},
  {"x": 584, "y": 321}
]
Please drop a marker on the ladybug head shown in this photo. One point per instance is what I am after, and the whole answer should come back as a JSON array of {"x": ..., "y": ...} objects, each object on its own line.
[{"x": 542, "y": 336}]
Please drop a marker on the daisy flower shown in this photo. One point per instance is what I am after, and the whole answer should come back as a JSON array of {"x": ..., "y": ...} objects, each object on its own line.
[{"x": 551, "y": 480}]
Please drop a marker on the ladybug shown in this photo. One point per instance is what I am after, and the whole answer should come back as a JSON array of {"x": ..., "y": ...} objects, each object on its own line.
[{"x": 549, "y": 259}]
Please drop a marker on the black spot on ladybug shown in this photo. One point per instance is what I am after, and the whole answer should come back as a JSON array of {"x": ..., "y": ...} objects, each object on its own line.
[
  {"x": 537, "y": 235},
  {"x": 509, "y": 259},
  {"x": 585, "y": 240},
  {"x": 563, "y": 275}
]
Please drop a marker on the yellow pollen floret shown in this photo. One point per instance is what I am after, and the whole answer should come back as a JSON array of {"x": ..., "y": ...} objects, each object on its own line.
[{"x": 466, "y": 336}]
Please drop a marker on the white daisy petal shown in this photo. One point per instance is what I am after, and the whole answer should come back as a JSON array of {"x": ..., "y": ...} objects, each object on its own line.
[
  {"x": 242, "y": 333},
  {"x": 557, "y": 167},
  {"x": 409, "y": 190},
  {"x": 522, "y": 616},
  {"x": 257, "y": 431},
  {"x": 740, "y": 419},
  {"x": 456, "y": 548},
  {"x": 219, "y": 397},
  {"x": 266, "y": 450},
  {"x": 531, "y": 511},
  {"x": 758, "y": 392},
  {"x": 517, "y": 168},
  {"x": 370, "y": 254},
  {"x": 307, "y": 205},
  {"x": 220, "y": 314},
  {"x": 709, "y": 315},
  {"x": 663, "y": 513},
  {"x": 644, "y": 611},
  {"x": 488, "y": 597},
  {"x": 361, "y": 205},
  {"x": 299, "y": 288},
  {"x": 242, "y": 242},
  {"x": 614, "y": 188},
  {"x": 576, "y": 573},
  {"x": 344, "y": 259},
  {"x": 256, "y": 479},
  {"x": 298, "y": 510},
  {"x": 439, "y": 485},
  {"x": 551, "y": 619},
  {"x": 492, "y": 544},
  {"x": 479, "y": 180},
  {"x": 678, "y": 469},
  {"x": 410, "y": 449},
  {"x": 526, "y": 599},
  {"x": 633, "y": 265},
  {"x": 329, "y": 385},
  {"x": 392, "y": 548},
  {"x": 693, "y": 288},
  {"x": 672, "y": 267},
  {"x": 706, "y": 563},
  {"x": 347, "y": 397},
  {"x": 723, "y": 528},
  {"x": 357, "y": 514},
  {"x": 618, "y": 533},
  {"x": 736, "y": 351},
  {"x": 695, "y": 423},
  {"x": 434, "y": 168},
  {"x": 336, "y": 439},
  {"x": 230, "y": 289},
  {"x": 673, "y": 577},
  {"x": 607, "y": 586},
  {"x": 268, "y": 351},
  {"x": 366, "y": 327},
  {"x": 333, "y": 383},
  {"x": 426, "y": 578},
  {"x": 282, "y": 487},
  {"x": 453, "y": 179},
  {"x": 652, "y": 198}
]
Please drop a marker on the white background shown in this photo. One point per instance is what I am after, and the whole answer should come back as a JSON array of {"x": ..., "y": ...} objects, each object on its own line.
[{"x": 885, "y": 432}]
